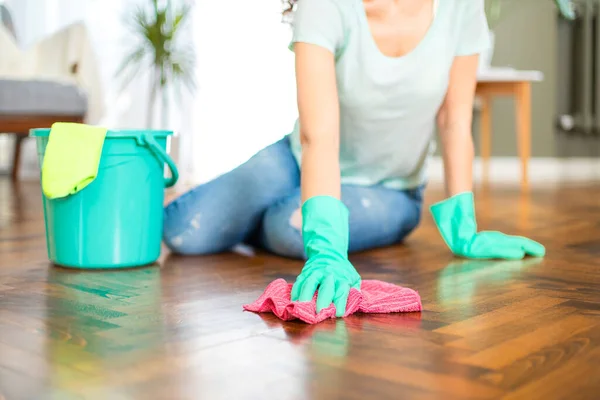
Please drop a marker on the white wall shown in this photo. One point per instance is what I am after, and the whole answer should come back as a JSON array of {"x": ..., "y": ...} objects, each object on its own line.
[{"x": 246, "y": 98}]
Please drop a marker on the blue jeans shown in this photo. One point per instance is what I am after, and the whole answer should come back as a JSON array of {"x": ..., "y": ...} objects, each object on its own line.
[{"x": 257, "y": 203}]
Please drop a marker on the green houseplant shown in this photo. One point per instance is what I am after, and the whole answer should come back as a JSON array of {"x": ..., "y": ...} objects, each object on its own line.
[{"x": 157, "y": 28}]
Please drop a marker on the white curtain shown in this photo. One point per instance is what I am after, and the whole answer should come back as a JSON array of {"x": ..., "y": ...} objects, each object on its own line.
[
  {"x": 35, "y": 19},
  {"x": 245, "y": 98}
]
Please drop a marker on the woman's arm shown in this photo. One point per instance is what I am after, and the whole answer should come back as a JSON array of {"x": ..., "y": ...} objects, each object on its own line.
[
  {"x": 318, "y": 109},
  {"x": 325, "y": 219},
  {"x": 455, "y": 216},
  {"x": 454, "y": 125}
]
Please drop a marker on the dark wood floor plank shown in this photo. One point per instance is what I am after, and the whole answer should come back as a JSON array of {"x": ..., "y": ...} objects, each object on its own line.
[
  {"x": 559, "y": 383},
  {"x": 513, "y": 349},
  {"x": 537, "y": 365},
  {"x": 501, "y": 316},
  {"x": 487, "y": 338}
]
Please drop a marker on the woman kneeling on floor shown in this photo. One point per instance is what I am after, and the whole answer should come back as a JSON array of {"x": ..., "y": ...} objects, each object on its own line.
[{"x": 374, "y": 80}]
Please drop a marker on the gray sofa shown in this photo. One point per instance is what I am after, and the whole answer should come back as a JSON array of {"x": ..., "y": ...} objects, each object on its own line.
[{"x": 29, "y": 104}]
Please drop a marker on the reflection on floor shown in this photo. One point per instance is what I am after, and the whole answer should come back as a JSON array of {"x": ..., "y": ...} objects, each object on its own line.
[{"x": 525, "y": 329}]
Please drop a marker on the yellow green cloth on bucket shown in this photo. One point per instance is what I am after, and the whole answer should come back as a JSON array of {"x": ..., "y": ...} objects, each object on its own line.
[{"x": 71, "y": 159}]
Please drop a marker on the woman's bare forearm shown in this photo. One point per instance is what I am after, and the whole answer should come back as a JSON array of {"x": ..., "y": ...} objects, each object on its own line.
[
  {"x": 318, "y": 107},
  {"x": 320, "y": 175},
  {"x": 458, "y": 154},
  {"x": 454, "y": 125}
]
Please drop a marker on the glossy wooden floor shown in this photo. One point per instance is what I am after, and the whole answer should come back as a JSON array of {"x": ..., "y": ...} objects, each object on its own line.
[{"x": 516, "y": 330}]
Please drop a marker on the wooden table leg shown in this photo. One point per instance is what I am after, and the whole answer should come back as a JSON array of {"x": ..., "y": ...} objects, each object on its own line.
[
  {"x": 17, "y": 157},
  {"x": 523, "y": 115},
  {"x": 485, "y": 147}
]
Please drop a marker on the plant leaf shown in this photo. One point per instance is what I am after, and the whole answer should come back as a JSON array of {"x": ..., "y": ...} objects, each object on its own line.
[
  {"x": 134, "y": 56},
  {"x": 181, "y": 16},
  {"x": 158, "y": 30}
]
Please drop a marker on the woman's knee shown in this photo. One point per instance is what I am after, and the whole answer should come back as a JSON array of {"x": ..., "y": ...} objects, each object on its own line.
[
  {"x": 179, "y": 244},
  {"x": 188, "y": 243},
  {"x": 282, "y": 230},
  {"x": 191, "y": 233}
]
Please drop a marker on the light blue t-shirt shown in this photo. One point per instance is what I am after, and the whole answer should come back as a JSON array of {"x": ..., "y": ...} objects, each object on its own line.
[{"x": 388, "y": 105}]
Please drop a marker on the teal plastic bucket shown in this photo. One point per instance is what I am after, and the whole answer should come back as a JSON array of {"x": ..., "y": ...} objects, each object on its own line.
[{"x": 116, "y": 221}]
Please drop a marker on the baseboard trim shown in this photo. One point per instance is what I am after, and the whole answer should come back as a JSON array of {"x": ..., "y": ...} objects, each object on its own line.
[
  {"x": 541, "y": 170},
  {"x": 501, "y": 170}
]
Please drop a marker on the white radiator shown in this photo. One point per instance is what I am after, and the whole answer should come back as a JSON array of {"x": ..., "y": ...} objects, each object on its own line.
[{"x": 579, "y": 70}]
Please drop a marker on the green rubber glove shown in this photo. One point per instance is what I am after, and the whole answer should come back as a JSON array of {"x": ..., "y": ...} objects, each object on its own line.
[
  {"x": 455, "y": 219},
  {"x": 325, "y": 233}
]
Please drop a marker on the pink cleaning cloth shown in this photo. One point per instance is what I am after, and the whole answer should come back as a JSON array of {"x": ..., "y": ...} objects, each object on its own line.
[{"x": 374, "y": 297}]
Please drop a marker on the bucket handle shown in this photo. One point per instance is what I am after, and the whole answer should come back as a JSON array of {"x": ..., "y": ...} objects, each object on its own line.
[{"x": 164, "y": 157}]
